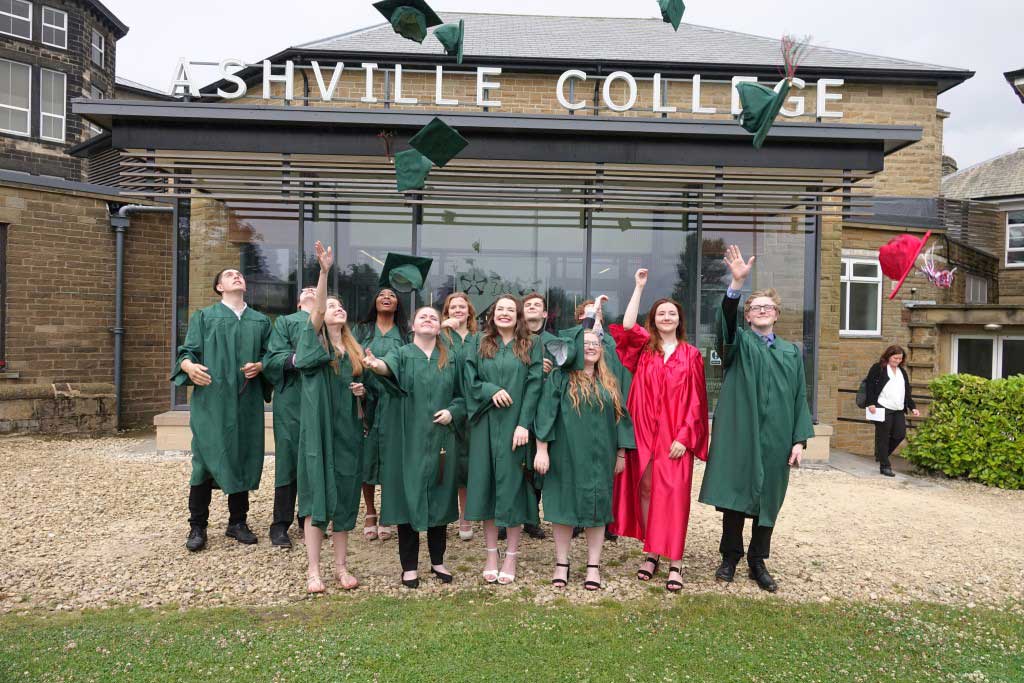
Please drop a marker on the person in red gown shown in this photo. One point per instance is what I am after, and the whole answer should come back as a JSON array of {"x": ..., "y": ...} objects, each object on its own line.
[{"x": 669, "y": 405}]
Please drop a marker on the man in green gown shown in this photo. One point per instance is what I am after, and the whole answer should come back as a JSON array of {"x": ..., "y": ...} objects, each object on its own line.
[
  {"x": 535, "y": 313},
  {"x": 761, "y": 425},
  {"x": 279, "y": 369},
  {"x": 222, "y": 358}
]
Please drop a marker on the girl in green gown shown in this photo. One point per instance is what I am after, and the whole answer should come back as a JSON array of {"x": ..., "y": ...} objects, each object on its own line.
[
  {"x": 503, "y": 377},
  {"x": 417, "y": 472},
  {"x": 385, "y": 328},
  {"x": 582, "y": 431},
  {"x": 459, "y": 333},
  {"x": 331, "y": 431}
]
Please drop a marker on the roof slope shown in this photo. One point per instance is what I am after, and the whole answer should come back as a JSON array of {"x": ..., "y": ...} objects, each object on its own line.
[
  {"x": 611, "y": 40},
  {"x": 1002, "y": 176}
]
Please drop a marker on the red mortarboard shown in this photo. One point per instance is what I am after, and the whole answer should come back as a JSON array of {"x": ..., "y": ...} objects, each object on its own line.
[{"x": 898, "y": 256}]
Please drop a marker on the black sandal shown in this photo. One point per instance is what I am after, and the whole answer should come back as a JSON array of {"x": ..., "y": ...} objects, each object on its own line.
[
  {"x": 592, "y": 585},
  {"x": 561, "y": 583},
  {"x": 643, "y": 574},
  {"x": 672, "y": 585}
]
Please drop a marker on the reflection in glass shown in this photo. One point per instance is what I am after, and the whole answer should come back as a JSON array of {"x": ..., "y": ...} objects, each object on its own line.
[
  {"x": 487, "y": 252},
  {"x": 974, "y": 357},
  {"x": 1013, "y": 357}
]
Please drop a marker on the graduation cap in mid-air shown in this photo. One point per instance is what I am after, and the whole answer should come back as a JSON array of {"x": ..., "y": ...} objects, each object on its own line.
[
  {"x": 409, "y": 18},
  {"x": 761, "y": 104},
  {"x": 567, "y": 348},
  {"x": 438, "y": 142},
  {"x": 672, "y": 12},
  {"x": 404, "y": 273},
  {"x": 453, "y": 37},
  {"x": 411, "y": 170}
]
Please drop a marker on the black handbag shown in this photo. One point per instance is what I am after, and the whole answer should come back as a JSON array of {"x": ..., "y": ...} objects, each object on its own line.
[{"x": 862, "y": 394}]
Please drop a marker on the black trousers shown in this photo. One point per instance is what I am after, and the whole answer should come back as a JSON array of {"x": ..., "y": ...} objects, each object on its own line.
[
  {"x": 889, "y": 434},
  {"x": 284, "y": 507},
  {"x": 199, "y": 505},
  {"x": 731, "y": 546},
  {"x": 409, "y": 546}
]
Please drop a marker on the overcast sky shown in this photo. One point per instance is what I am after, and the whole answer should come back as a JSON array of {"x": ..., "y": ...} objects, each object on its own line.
[{"x": 986, "y": 119}]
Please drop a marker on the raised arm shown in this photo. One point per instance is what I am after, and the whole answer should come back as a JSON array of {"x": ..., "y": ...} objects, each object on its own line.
[
  {"x": 738, "y": 268},
  {"x": 326, "y": 259},
  {"x": 633, "y": 307}
]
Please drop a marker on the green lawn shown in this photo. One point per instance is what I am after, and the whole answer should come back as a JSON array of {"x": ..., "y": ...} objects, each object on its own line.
[{"x": 473, "y": 637}]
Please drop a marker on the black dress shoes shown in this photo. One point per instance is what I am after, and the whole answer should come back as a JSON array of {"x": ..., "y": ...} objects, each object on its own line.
[
  {"x": 279, "y": 538},
  {"x": 410, "y": 583},
  {"x": 196, "y": 540},
  {"x": 886, "y": 471},
  {"x": 241, "y": 533},
  {"x": 726, "y": 571},
  {"x": 445, "y": 578},
  {"x": 609, "y": 536},
  {"x": 534, "y": 531},
  {"x": 759, "y": 573}
]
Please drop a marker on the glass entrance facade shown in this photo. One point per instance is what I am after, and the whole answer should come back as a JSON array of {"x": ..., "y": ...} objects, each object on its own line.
[{"x": 569, "y": 255}]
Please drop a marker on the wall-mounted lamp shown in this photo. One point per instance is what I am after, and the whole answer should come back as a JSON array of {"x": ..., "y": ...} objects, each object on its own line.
[{"x": 992, "y": 327}]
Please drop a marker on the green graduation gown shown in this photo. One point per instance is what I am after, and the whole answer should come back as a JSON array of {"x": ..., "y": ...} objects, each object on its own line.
[
  {"x": 582, "y": 447},
  {"x": 458, "y": 348},
  {"x": 226, "y": 415},
  {"x": 330, "y": 436},
  {"x": 498, "y": 488},
  {"x": 287, "y": 394},
  {"x": 762, "y": 412},
  {"x": 372, "y": 339},
  {"x": 417, "y": 486}
]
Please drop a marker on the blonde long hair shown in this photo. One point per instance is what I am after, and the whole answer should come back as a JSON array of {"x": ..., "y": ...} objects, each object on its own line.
[
  {"x": 583, "y": 387},
  {"x": 348, "y": 342},
  {"x": 442, "y": 351}
]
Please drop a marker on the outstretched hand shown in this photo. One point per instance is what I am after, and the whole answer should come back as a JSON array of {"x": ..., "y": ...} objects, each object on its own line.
[
  {"x": 739, "y": 268},
  {"x": 372, "y": 362},
  {"x": 324, "y": 256}
]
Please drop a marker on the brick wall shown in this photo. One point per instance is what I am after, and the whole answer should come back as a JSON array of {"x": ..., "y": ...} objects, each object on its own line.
[
  {"x": 33, "y": 154},
  {"x": 60, "y": 298}
]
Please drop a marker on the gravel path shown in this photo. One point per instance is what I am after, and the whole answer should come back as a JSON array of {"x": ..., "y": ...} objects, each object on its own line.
[{"x": 94, "y": 523}]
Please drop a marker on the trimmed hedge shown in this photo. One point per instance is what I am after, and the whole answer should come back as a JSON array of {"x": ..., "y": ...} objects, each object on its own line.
[{"x": 974, "y": 430}]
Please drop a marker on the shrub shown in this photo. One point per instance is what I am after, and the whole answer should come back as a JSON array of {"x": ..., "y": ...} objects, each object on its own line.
[{"x": 975, "y": 430}]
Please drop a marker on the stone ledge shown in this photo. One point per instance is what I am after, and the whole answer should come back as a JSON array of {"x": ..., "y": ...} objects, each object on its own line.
[{"x": 74, "y": 409}]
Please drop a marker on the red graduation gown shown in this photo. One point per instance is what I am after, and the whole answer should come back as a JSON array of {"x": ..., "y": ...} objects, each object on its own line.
[{"x": 668, "y": 402}]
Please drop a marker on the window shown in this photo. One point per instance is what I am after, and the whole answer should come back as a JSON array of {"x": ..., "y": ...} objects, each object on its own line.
[
  {"x": 96, "y": 94},
  {"x": 98, "y": 44},
  {"x": 55, "y": 28},
  {"x": 16, "y": 18},
  {"x": 990, "y": 357},
  {"x": 3, "y": 289},
  {"x": 15, "y": 95},
  {"x": 52, "y": 105},
  {"x": 977, "y": 290},
  {"x": 1015, "y": 239},
  {"x": 860, "y": 297}
]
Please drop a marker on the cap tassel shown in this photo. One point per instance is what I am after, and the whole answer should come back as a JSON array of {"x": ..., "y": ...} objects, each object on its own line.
[
  {"x": 794, "y": 48},
  {"x": 387, "y": 136}
]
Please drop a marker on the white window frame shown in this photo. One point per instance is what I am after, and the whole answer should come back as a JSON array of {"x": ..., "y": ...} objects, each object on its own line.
[
  {"x": 28, "y": 119},
  {"x": 64, "y": 28},
  {"x": 1014, "y": 250},
  {"x": 102, "y": 47},
  {"x": 997, "y": 352},
  {"x": 849, "y": 279},
  {"x": 63, "y": 116},
  {"x": 19, "y": 18},
  {"x": 979, "y": 286}
]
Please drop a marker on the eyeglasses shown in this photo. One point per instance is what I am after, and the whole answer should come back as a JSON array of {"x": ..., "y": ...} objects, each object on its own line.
[
  {"x": 766, "y": 308},
  {"x": 591, "y": 344}
]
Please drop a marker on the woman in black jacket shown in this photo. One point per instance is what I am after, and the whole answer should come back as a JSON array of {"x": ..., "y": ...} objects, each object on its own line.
[{"x": 888, "y": 390}]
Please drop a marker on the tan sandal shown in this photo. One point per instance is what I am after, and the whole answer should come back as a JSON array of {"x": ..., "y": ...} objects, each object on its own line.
[
  {"x": 314, "y": 584},
  {"x": 346, "y": 580},
  {"x": 370, "y": 532},
  {"x": 385, "y": 532}
]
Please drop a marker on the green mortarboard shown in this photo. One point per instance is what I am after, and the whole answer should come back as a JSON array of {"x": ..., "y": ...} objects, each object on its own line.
[
  {"x": 452, "y": 36},
  {"x": 567, "y": 348},
  {"x": 404, "y": 273},
  {"x": 761, "y": 105},
  {"x": 409, "y": 18},
  {"x": 672, "y": 12},
  {"x": 438, "y": 141},
  {"x": 411, "y": 170}
]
